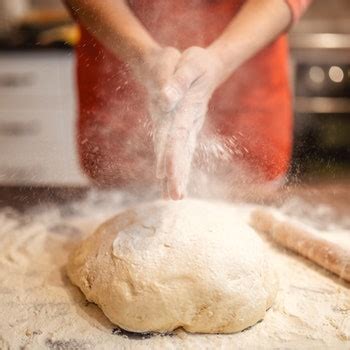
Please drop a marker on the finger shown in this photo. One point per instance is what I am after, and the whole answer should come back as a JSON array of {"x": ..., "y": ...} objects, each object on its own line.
[
  {"x": 158, "y": 133},
  {"x": 179, "y": 125},
  {"x": 191, "y": 111},
  {"x": 161, "y": 122},
  {"x": 172, "y": 165},
  {"x": 167, "y": 67},
  {"x": 177, "y": 87},
  {"x": 165, "y": 192},
  {"x": 179, "y": 162},
  {"x": 161, "y": 127},
  {"x": 160, "y": 140},
  {"x": 188, "y": 120},
  {"x": 163, "y": 72}
]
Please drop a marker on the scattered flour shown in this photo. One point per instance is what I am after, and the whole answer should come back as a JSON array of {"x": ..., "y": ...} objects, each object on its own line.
[{"x": 41, "y": 309}]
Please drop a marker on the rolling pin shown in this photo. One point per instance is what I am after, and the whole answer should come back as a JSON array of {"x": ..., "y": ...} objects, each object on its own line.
[{"x": 299, "y": 239}]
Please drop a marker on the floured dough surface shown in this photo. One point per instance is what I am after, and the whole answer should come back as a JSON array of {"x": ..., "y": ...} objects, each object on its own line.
[{"x": 164, "y": 265}]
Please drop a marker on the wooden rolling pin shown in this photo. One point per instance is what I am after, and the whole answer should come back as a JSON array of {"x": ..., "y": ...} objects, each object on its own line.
[{"x": 299, "y": 239}]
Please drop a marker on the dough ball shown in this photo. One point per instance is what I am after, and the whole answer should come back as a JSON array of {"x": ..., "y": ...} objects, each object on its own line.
[{"x": 164, "y": 265}]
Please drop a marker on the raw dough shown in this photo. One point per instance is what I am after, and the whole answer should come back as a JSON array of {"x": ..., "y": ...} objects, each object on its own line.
[{"x": 165, "y": 265}]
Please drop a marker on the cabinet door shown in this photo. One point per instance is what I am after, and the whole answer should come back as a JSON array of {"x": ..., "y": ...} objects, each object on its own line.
[
  {"x": 26, "y": 74},
  {"x": 37, "y": 148},
  {"x": 37, "y": 119}
]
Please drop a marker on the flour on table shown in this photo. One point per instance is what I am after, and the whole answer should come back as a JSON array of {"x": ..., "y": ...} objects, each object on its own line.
[{"x": 41, "y": 309}]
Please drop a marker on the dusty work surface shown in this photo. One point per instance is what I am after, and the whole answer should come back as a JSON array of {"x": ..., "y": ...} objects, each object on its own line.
[{"x": 40, "y": 309}]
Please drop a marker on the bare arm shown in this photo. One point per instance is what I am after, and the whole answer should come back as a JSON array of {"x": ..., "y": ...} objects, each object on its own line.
[
  {"x": 114, "y": 24},
  {"x": 257, "y": 24}
]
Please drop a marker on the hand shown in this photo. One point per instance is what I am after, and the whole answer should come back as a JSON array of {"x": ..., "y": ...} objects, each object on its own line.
[
  {"x": 154, "y": 71},
  {"x": 185, "y": 98}
]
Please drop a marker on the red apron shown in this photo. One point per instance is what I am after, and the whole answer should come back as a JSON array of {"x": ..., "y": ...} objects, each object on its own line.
[{"x": 250, "y": 112}]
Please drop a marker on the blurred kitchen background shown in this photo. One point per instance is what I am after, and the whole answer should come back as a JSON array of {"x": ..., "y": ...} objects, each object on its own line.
[{"x": 37, "y": 95}]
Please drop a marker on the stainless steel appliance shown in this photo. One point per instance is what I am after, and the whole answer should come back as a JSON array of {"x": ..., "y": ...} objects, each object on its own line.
[{"x": 320, "y": 47}]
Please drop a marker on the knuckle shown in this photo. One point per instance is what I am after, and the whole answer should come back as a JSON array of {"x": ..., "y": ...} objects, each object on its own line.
[
  {"x": 171, "y": 92},
  {"x": 193, "y": 50},
  {"x": 170, "y": 50},
  {"x": 181, "y": 82}
]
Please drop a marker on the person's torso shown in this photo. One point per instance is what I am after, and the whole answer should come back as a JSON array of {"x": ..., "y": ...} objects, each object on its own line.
[
  {"x": 184, "y": 23},
  {"x": 253, "y": 104}
]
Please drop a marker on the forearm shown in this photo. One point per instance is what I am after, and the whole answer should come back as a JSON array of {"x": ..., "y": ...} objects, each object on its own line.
[
  {"x": 255, "y": 26},
  {"x": 114, "y": 24}
]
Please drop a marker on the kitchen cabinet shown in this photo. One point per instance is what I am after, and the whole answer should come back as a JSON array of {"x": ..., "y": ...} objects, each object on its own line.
[{"x": 37, "y": 119}]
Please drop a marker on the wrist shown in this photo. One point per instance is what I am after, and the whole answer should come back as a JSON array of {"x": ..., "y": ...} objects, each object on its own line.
[
  {"x": 227, "y": 58},
  {"x": 140, "y": 53}
]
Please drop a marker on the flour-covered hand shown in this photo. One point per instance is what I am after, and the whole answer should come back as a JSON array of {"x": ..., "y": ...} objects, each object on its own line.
[
  {"x": 186, "y": 98},
  {"x": 154, "y": 71}
]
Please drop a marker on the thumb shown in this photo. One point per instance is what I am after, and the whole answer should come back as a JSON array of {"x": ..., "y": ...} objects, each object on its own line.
[{"x": 177, "y": 87}]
